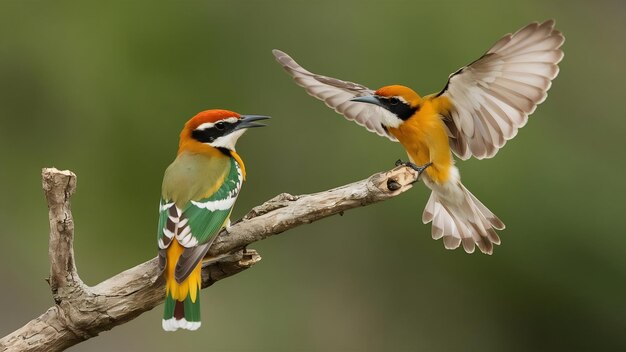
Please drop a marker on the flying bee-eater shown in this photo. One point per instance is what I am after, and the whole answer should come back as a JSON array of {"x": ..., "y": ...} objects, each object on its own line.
[
  {"x": 198, "y": 193},
  {"x": 481, "y": 107}
]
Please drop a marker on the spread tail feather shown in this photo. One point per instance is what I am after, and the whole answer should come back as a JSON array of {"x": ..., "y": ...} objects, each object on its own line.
[{"x": 460, "y": 218}]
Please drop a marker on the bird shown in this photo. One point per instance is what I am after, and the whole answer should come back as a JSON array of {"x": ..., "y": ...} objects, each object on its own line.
[
  {"x": 198, "y": 192},
  {"x": 480, "y": 108}
]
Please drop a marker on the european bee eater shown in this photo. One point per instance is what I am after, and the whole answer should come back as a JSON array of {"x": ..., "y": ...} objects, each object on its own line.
[
  {"x": 198, "y": 193},
  {"x": 481, "y": 107}
]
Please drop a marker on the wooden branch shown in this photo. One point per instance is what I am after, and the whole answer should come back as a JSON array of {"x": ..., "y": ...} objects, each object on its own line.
[{"x": 81, "y": 312}]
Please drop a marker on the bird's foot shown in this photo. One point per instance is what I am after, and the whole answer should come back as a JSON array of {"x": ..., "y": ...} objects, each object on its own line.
[{"x": 419, "y": 169}]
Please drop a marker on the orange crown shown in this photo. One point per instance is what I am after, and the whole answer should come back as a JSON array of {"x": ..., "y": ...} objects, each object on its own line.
[
  {"x": 210, "y": 116},
  {"x": 396, "y": 90}
]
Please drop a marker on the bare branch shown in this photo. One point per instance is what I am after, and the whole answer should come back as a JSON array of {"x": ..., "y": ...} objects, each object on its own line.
[
  {"x": 81, "y": 312},
  {"x": 59, "y": 186}
]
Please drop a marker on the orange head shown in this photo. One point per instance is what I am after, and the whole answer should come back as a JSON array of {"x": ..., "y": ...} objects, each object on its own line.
[
  {"x": 401, "y": 101},
  {"x": 216, "y": 129}
]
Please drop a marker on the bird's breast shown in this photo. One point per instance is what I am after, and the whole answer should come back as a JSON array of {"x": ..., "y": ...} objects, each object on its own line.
[{"x": 425, "y": 139}]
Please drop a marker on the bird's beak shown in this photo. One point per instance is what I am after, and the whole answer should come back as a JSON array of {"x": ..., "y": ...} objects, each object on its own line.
[
  {"x": 370, "y": 99},
  {"x": 247, "y": 121}
]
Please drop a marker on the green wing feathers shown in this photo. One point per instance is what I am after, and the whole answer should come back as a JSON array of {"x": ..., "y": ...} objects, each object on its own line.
[
  {"x": 208, "y": 215},
  {"x": 195, "y": 222}
]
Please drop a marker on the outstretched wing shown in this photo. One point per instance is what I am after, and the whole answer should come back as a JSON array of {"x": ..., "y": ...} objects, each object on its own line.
[
  {"x": 336, "y": 94},
  {"x": 492, "y": 97},
  {"x": 197, "y": 224}
]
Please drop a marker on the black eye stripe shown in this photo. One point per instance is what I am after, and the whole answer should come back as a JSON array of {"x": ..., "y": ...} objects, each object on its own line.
[
  {"x": 399, "y": 107},
  {"x": 209, "y": 135}
]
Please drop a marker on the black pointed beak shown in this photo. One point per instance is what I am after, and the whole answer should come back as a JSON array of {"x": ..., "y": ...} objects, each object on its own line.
[
  {"x": 248, "y": 121},
  {"x": 369, "y": 99}
]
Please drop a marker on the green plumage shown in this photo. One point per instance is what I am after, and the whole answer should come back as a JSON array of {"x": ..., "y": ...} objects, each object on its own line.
[
  {"x": 188, "y": 179},
  {"x": 191, "y": 311},
  {"x": 169, "y": 305},
  {"x": 204, "y": 222},
  {"x": 192, "y": 175}
]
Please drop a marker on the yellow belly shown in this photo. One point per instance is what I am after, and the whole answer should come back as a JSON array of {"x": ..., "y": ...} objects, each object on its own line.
[{"x": 425, "y": 139}]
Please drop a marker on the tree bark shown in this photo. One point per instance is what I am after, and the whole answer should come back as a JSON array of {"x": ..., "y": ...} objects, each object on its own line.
[{"x": 81, "y": 312}]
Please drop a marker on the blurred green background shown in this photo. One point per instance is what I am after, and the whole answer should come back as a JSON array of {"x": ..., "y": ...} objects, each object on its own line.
[{"x": 103, "y": 88}]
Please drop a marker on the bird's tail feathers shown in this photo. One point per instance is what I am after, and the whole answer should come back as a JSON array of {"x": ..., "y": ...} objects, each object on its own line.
[
  {"x": 182, "y": 299},
  {"x": 181, "y": 314},
  {"x": 460, "y": 218}
]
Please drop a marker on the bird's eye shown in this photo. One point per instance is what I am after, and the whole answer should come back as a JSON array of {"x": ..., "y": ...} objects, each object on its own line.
[
  {"x": 394, "y": 101},
  {"x": 220, "y": 126}
]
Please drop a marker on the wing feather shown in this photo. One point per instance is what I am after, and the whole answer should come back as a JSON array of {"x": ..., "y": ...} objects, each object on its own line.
[
  {"x": 336, "y": 94},
  {"x": 196, "y": 226},
  {"x": 493, "y": 96}
]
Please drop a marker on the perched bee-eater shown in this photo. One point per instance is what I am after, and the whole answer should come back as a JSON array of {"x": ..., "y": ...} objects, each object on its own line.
[
  {"x": 198, "y": 193},
  {"x": 481, "y": 107}
]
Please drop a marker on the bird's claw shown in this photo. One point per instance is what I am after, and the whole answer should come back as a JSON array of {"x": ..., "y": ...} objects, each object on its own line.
[{"x": 419, "y": 169}]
